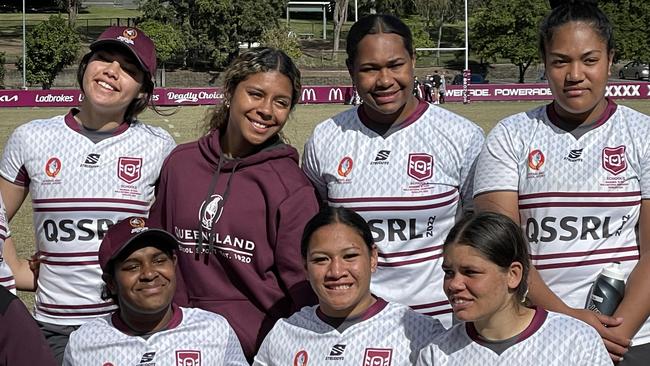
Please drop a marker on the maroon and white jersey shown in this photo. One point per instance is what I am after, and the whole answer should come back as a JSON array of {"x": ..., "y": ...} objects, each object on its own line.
[
  {"x": 79, "y": 188},
  {"x": 408, "y": 184},
  {"x": 194, "y": 337},
  {"x": 579, "y": 198},
  {"x": 389, "y": 334},
  {"x": 6, "y": 276},
  {"x": 550, "y": 340}
]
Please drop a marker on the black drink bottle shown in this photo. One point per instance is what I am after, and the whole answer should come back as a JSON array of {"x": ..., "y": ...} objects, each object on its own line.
[{"x": 607, "y": 291}]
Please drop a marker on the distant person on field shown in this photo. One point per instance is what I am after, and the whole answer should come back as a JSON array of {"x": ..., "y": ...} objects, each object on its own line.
[
  {"x": 443, "y": 88},
  {"x": 403, "y": 164},
  {"x": 139, "y": 271},
  {"x": 84, "y": 171},
  {"x": 436, "y": 81}
]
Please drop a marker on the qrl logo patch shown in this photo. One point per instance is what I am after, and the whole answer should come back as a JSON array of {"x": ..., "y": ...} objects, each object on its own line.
[
  {"x": 188, "y": 358},
  {"x": 614, "y": 160},
  {"x": 536, "y": 159},
  {"x": 53, "y": 167},
  {"x": 377, "y": 357},
  {"x": 420, "y": 166},
  {"x": 128, "y": 169},
  {"x": 301, "y": 358}
]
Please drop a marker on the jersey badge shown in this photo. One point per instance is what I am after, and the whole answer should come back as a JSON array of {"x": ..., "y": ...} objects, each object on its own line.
[
  {"x": 536, "y": 159},
  {"x": 377, "y": 357},
  {"x": 188, "y": 358},
  {"x": 574, "y": 155},
  {"x": 53, "y": 167},
  {"x": 211, "y": 211},
  {"x": 614, "y": 160},
  {"x": 91, "y": 161},
  {"x": 301, "y": 358},
  {"x": 420, "y": 166},
  {"x": 381, "y": 158},
  {"x": 345, "y": 166},
  {"x": 128, "y": 169},
  {"x": 147, "y": 357}
]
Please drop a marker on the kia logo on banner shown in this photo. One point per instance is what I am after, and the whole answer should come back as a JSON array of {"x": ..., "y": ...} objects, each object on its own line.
[
  {"x": 308, "y": 95},
  {"x": 336, "y": 95},
  {"x": 8, "y": 98}
]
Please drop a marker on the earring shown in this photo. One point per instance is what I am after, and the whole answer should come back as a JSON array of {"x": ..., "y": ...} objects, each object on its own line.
[
  {"x": 227, "y": 104},
  {"x": 523, "y": 298}
]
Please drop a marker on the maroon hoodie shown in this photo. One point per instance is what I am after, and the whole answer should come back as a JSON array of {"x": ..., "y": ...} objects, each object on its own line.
[{"x": 250, "y": 213}]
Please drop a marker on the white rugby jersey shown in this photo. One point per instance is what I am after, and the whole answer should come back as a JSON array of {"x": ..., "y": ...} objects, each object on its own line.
[
  {"x": 550, "y": 340},
  {"x": 78, "y": 189},
  {"x": 195, "y": 337},
  {"x": 579, "y": 199},
  {"x": 6, "y": 276},
  {"x": 409, "y": 186},
  {"x": 391, "y": 334}
]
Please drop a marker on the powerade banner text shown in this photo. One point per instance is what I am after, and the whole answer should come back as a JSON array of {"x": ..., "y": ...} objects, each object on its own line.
[{"x": 313, "y": 94}]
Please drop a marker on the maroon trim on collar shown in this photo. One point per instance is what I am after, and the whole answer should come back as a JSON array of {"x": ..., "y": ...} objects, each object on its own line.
[
  {"x": 604, "y": 117},
  {"x": 373, "y": 310},
  {"x": 419, "y": 111},
  {"x": 538, "y": 319},
  {"x": 175, "y": 321},
  {"x": 76, "y": 126}
]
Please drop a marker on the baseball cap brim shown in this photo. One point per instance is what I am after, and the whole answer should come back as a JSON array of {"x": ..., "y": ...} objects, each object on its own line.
[
  {"x": 149, "y": 237},
  {"x": 97, "y": 45}
]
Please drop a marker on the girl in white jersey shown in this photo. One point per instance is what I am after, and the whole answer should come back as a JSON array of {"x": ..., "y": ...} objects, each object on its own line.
[
  {"x": 405, "y": 165},
  {"x": 486, "y": 265},
  {"x": 349, "y": 325},
  {"x": 575, "y": 174},
  {"x": 85, "y": 171}
]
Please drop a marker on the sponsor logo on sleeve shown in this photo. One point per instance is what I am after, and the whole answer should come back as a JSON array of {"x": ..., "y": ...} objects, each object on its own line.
[
  {"x": 614, "y": 160},
  {"x": 188, "y": 358},
  {"x": 128, "y": 169},
  {"x": 378, "y": 357},
  {"x": 345, "y": 166},
  {"x": 420, "y": 166},
  {"x": 301, "y": 358},
  {"x": 53, "y": 167}
]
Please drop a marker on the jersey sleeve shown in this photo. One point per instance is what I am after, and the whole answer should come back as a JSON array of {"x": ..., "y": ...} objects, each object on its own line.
[
  {"x": 644, "y": 178},
  {"x": 468, "y": 169},
  {"x": 293, "y": 214},
  {"x": 12, "y": 165},
  {"x": 590, "y": 349},
  {"x": 426, "y": 357},
  {"x": 312, "y": 169},
  {"x": 496, "y": 168},
  {"x": 233, "y": 355}
]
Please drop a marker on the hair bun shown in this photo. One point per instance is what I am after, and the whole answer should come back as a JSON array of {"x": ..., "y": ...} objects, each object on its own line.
[{"x": 558, "y": 3}]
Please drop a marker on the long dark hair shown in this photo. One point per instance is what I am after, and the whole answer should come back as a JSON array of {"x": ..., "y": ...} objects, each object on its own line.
[
  {"x": 499, "y": 239},
  {"x": 251, "y": 62},
  {"x": 585, "y": 11},
  {"x": 336, "y": 215}
]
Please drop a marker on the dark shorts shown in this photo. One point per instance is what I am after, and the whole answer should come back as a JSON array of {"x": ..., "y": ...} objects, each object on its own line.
[
  {"x": 637, "y": 356},
  {"x": 57, "y": 337}
]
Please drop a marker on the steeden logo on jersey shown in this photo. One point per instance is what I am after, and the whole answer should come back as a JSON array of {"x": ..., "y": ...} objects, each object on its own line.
[
  {"x": 574, "y": 155},
  {"x": 91, "y": 161},
  {"x": 301, "y": 358},
  {"x": 146, "y": 359},
  {"x": 336, "y": 353},
  {"x": 188, "y": 358},
  {"x": 381, "y": 158},
  {"x": 378, "y": 357},
  {"x": 53, "y": 167}
]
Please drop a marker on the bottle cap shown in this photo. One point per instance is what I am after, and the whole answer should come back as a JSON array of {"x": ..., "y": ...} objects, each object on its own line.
[{"x": 614, "y": 271}]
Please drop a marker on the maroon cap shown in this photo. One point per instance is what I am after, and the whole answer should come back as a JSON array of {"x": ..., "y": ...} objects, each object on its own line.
[
  {"x": 132, "y": 230},
  {"x": 134, "y": 40}
]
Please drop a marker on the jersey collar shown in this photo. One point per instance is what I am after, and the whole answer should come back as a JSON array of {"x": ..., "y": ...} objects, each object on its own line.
[{"x": 175, "y": 321}]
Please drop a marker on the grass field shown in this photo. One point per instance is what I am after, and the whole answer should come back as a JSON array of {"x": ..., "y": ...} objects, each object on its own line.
[{"x": 185, "y": 125}]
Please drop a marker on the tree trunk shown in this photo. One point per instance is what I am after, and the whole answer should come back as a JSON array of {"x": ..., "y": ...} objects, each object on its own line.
[
  {"x": 73, "y": 7},
  {"x": 340, "y": 16},
  {"x": 442, "y": 21},
  {"x": 522, "y": 70}
]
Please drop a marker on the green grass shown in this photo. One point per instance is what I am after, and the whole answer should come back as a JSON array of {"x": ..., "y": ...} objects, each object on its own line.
[{"x": 185, "y": 125}]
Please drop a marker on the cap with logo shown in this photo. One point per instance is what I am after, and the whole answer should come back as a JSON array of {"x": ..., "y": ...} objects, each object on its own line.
[
  {"x": 132, "y": 39},
  {"x": 130, "y": 232}
]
